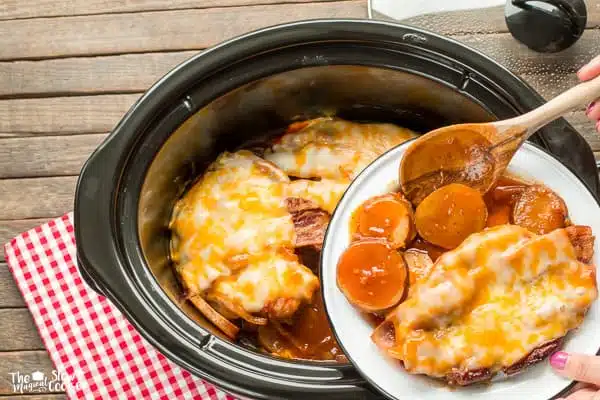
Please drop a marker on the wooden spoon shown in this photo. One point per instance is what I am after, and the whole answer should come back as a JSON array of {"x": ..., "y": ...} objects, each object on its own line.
[{"x": 477, "y": 154}]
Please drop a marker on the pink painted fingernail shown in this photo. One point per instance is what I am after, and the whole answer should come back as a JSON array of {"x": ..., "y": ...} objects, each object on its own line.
[
  {"x": 589, "y": 107},
  {"x": 559, "y": 359}
]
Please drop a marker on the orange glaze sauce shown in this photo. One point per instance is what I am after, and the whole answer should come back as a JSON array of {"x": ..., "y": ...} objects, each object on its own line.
[
  {"x": 372, "y": 275},
  {"x": 375, "y": 221},
  {"x": 380, "y": 217}
]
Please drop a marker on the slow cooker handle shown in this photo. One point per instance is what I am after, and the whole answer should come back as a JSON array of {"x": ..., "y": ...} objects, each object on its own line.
[{"x": 97, "y": 256}]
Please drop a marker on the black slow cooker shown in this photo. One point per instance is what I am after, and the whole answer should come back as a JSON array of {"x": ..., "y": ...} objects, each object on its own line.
[{"x": 238, "y": 92}]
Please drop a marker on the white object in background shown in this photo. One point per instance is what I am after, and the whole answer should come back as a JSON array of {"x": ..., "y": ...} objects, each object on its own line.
[{"x": 403, "y": 9}]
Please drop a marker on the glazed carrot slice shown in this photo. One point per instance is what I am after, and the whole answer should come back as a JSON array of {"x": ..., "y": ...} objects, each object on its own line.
[
  {"x": 372, "y": 275},
  {"x": 540, "y": 210},
  {"x": 447, "y": 216},
  {"x": 389, "y": 216}
]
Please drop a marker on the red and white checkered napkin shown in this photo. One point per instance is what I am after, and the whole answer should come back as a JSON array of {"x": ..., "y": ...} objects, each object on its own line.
[{"x": 88, "y": 339}]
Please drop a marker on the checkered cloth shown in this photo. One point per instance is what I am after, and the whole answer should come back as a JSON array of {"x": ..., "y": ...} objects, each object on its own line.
[{"x": 87, "y": 338}]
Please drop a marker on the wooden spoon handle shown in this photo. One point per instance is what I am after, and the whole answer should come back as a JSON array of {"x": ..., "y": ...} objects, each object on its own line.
[{"x": 573, "y": 98}]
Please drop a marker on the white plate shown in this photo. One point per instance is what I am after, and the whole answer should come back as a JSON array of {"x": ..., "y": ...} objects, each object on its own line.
[{"x": 353, "y": 332}]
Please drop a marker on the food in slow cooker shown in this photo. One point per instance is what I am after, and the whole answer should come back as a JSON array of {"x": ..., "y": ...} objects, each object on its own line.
[
  {"x": 243, "y": 234},
  {"x": 495, "y": 282}
]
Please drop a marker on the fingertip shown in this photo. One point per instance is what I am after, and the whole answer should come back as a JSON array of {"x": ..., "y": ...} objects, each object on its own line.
[
  {"x": 590, "y": 70},
  {"x": 558, "y": 360}
]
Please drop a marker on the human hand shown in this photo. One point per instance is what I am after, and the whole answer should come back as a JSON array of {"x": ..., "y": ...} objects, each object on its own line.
[
  {"x": 587, "y": 72},
  {"x": 582, "y": 368}
]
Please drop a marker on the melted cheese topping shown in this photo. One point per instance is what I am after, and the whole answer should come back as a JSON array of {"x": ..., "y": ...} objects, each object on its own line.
[
  {"x": 229, "y": 229},
  {"x": 491, "y": 301},
  {"x": 334, "y": 149},
  {"x": 274, "y": 276},
  {"x": 325, "y": 193}
]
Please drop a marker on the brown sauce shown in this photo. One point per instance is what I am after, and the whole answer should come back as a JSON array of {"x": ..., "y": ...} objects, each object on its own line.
[
  {"x": 307, "y": 336},
  {"x": 501, "y": 198}
]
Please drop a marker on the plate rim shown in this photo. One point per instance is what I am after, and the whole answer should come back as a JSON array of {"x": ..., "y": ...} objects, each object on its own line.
[{"x": 371, "y": 165}]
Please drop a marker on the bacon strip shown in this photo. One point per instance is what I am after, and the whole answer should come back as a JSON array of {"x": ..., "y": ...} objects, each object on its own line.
[
  {"x": 310, "y": 222},
  {"x": 583, "y": 241},
  {"x": 213, "y": 316}
]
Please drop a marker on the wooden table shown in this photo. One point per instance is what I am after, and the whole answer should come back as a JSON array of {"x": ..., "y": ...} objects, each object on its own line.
[{"x": 69, "y": 70}]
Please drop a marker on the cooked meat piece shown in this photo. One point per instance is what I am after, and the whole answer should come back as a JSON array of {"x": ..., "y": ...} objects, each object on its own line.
[
  {"x": 469, "y": 377},
  {"x": 243, "y": 264},
  {"x": 466, "y": 321},
  {"x": 463, "y": 378},
  {"x": 310, "y": 222},
  {"x": 536, "y": 355},
  {"x": 583, "y": 241},
  {"x": 297, "y": 205}
]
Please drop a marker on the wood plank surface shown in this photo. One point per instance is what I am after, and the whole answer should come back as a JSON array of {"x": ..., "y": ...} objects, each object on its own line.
[
  {"x": 10, "y": 297},
  {"x": 25, "y": 362},
  {"x": 12, "y": 9},
  {"x": 11, "y": 228},
  {"x": 63, "y": 115},
  {"x": 46, "y": 155},
  {"x": 19, "y": 331},
  {"x": 153, "y": 31},
  {"x": 87, "y": 75},
  {"x": 132, "y": 73},
  {"x": 36, "y": 197}
]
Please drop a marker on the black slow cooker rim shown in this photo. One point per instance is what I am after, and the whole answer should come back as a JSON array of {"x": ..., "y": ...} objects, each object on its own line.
[{"x": 99, "y": 195}]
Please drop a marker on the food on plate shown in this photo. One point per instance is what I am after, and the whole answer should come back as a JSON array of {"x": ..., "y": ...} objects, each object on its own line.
[
  {"x": 540, "y": 210},
  {"x": 497, "y": 302},
  {"x": 372, "y": 275},
  {"x": 418, "y": 263},
  {"x": 247, "y": 234},
  {"x": 388, "y": 216},
  {"x": 451, "y": 213},
  {"x": 494, "y": 281}
]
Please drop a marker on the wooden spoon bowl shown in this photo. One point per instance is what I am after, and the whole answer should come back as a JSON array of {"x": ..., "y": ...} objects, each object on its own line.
[{"x": 477, "y": 154}]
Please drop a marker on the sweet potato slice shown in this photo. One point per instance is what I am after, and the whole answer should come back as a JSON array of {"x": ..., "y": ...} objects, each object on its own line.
[
  {"x": 447, "y": 216},
  {"x": 540, "y": 210},
  {"x": 372, "y": 275},
  {"x": 389, "y": 216}
]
